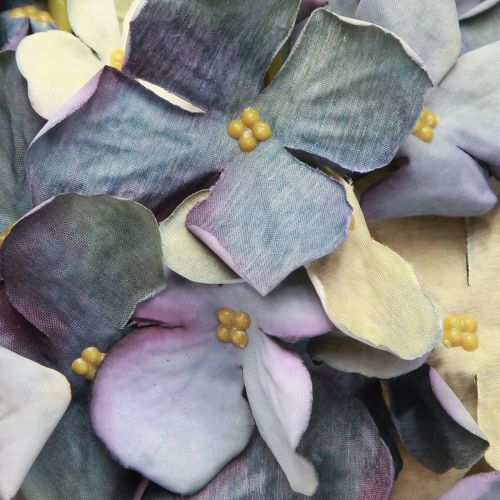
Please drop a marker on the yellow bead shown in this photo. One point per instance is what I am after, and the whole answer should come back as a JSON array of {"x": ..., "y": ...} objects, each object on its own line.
[
  {"x": 102, "y": 355},
  {"x": 90, "y": 373},
  {"x": 247, "y": 141},
  {"x": 31, "y": 10},
  {"x": 426, "y": 133},
  {"x": 225, "y": 316},
  {"x": 452, "y": 322},
  {"x": 235, "y": 128},
  {"x": 250, "y": 116},
  {"x": 223, "y": 333},
  {"x": 452, "y": 337},
  {"x": 44, "y": 17},
  {"x": 241, "y": 320},
  {"x": 117, "y": 56},
  {"x": 468, "y": 323},
  {"x": 79, "y": 366},
  {"x": 261, "y": 131},
  {"x": 239, "y": 338},
  {"x": 429, "y": 118},
  {"x": 19, "y": 12},
  {"x": 91, "y": 355},
  {"x": 470, "y": 342},
  {"x": 418, "y": 125},
  {"x": 5, "y": 233}
]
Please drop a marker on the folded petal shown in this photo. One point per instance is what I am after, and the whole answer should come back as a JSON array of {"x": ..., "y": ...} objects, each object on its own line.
[
  {"x": 127, "y": 142},
  {"x": 393, "y": 314},
  {"x": 12, "y": 30},
  {"x": 95, "y": 22},
  {"x": 185, "y": 254},
  {"x": 432, "y": 423},
  {"x": 76, "y": 267},
  {"x": 168, "y": 403},
  {"x": 56, "y": 65},
  {"x": 476, "y": 487},
  {"x": 430, "y": 28},
  {"x": 213, "y": 54},
  {"x": 340, "y": 75},
  {"x": 308, "y": 6},
  {"x": 470, "y": 8},
  {"x": 343, "y": 7},
  {"x": 33, "y": 399},
  {"x": 481, "y": 29},
  {"x": 255, "y": 216},
  {"x": 18, "y": 126},
  {"x": 279, "y": 391},
  {"x": 349, "y": 355}
]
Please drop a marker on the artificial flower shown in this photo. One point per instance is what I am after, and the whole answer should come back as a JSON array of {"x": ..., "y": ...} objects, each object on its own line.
[
  {"x": 167, "y": 401},
  {"x": 448, "y": 174},
  {"x": 466, "y": 284},
  {"x": 123, "y": 140},
  {"x": 476, "y": 487},
  {"x": 74, "y": 270},
  {"x": 18, "y": 18},
  {"x": 479, "y": 23}
]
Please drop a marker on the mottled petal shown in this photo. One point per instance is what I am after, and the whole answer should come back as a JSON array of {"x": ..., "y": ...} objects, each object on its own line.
[
  {"x": 76, "y": 267},
  {"x": 470, "y": 8},
  {"x": 213, "y": 54},
  {"x": 392, "y": 312},
  {"x": 279, "y": 391},
  {"x": 95, "y": 22},
  {"x": 343, "y": 7},
  {"x": 477, "y": 487},
  {"x": 429, "y": 27},
  {"x": 349, "y": 355},
  {"x": 340, "y": 75},
  {"x": 185, "y": 254},
  {"x": 432, "y": 423},
  {"x": 18, "y": 125},
  {"x": 481, "y": 29},
  {"x": 12, "y": 31},
  {"x": 33, "y": 399},
  {"x": 255, "y": 216},
  {"x": 168, "y": 403},
  {"x": 56, "y": 65},
  {"x": 125, "y": 141}
]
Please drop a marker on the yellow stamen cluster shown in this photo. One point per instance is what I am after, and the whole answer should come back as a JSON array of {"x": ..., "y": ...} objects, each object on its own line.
[
  {"x": 248, "y": 129},
  {"x": 5, "y": 233},
  {"x": 86, "y": 365},
  {"x": 116, "y": 59},
  {"x": 32, "y": 12},
  {"x": 425, "y": 124},
  {"x": 461, "y": 331},
  {"x": 233, "y": 327}
]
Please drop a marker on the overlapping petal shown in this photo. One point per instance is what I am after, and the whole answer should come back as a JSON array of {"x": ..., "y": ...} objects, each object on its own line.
[
  {"x": 481, "y": 27},
  {"x": 12, "y": 31},
  {"x": 363, "y": 276},
  {"x": 476, "y": 487}
]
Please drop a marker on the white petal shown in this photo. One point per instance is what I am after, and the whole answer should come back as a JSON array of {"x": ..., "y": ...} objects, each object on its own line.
[
  {"x": 56, "y": 65},
  {"x": 279, "y": 391},
  {"x": 96, "y": 23},
  {"x": 33, "y": 399}
]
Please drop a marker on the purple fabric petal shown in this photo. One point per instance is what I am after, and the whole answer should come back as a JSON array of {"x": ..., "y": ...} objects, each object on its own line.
[
  {"x": 291, "y": 312},
  {"x": 168, "y": 403},
  {"x": 213, "y": 54},
  {"x": 432, "y": 436},
  {"x": 255, "y": 216},
  {"x": 308, "y": 6},
  {"x": 12, "y": 31},
  {"x": 484, "y": 486}
]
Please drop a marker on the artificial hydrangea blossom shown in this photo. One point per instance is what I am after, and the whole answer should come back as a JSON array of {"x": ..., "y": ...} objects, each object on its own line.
[{"x": 261, "y": 203}]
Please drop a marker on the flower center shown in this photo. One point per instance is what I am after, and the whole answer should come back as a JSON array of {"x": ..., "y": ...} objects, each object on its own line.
[
  {"x": 461, "y": 331},
  {"x": 425, "y": 124},
  {"x": 116, "y": 59},
  {"x": 88, "y": 362},
  {"x": 248, "y": 129},
  {"x": 5, "y": 233},
  {"x": 31, "y": 12},
  {"x": 233, "y": 327}
]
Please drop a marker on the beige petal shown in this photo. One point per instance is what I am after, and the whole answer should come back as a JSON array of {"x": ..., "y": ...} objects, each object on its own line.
[
  {"x": 488, "y": 411},
  {"x": 371, "y": 294},
  {"x": 187, "y": 255}
]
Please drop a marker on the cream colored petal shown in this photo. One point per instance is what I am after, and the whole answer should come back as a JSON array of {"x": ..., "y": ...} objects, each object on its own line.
[
  {"x": 122, "y": 8},
  {"x": 391, "y": 311},
  {"x": 96, "y": 23},
  {"x": 168, "y": 96},
  {"x": 56, "y": 65},
  {"x": 127, "y": 9},
  {"x": 187, "y": 255}
]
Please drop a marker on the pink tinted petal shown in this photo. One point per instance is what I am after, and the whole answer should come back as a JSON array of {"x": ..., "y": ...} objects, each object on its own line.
[
  {"x": 168, "y": 403},
  {"x": 478, "y": 487},
  {"x": 279, "y": 391}
]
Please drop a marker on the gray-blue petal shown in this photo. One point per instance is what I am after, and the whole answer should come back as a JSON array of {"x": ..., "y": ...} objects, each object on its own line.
[
  {"x": 481, "y": 29},
  {"x": 12, "y": 30},
  {"x": 343, "y": 7}
]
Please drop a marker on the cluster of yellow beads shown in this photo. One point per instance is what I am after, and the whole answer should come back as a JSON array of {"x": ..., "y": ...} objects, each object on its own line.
[
  {"x": 116, "y": 59},
  {"x": 248, "y": 129},
  {"x": 32, "y": 12},
  {"x": 5, "y": 233},
  {"x": 423, "y": 129},
  {"x": 86, "y": 365},
  {"x": 461, "y": 331},
  {"x": 233, "y": 327}
]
